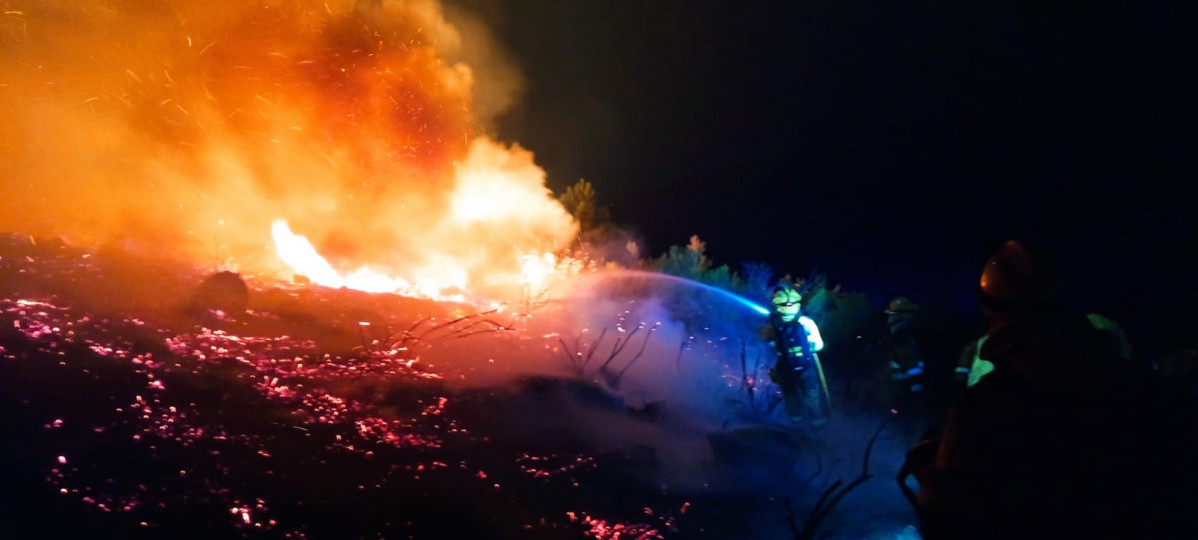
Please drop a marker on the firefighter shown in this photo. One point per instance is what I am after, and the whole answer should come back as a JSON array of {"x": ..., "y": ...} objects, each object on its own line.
[
  {"x": 906, "y": 363},
  {"x": 796, "y": 341},
  {"x": 907, "y": 370},
  {"x": 1061, "y": 431}
]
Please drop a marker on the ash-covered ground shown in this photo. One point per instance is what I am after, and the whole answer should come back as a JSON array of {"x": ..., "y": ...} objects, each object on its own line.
[{"x": 142, "y": 398}]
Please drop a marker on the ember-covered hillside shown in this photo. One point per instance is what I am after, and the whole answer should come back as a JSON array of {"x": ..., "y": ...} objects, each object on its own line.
[{"x": 147, "y": 399}]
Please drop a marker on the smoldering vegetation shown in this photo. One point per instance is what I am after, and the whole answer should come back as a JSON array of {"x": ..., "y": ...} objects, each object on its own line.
[{"x": 148, "y": 398}]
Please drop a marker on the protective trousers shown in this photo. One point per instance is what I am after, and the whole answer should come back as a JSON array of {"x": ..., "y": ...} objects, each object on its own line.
[{"x": 801, "y": 392}]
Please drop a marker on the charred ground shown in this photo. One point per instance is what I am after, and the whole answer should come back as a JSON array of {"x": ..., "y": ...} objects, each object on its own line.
[{"x": 133, "y": 407}]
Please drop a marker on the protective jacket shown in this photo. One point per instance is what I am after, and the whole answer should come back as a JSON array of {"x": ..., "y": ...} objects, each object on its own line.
[
  {"x": 797, "y": 371},
  {"x": 796, "y": 342}
]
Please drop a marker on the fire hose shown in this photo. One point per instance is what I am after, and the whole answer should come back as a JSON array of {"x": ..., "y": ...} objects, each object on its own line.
[{"x": 823, "y": 382}]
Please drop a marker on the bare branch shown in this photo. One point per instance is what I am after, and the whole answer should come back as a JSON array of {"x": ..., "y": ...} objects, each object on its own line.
[
  {"x": 461, "y": 332},
  {"x": 619, "y": 345},
  {"x": 790, "y": 518},
  {"x": 678, "y": 359},
  {"x": 644, "y": 344},
  {"x": 593, "y": 348},
  {"x": 831, "y": 497}
]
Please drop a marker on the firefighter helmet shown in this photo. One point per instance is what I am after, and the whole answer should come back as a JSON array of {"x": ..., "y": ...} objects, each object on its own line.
[
  {"x": 1014, "y": 280},
  {"x": 787, "y": 302},
  {"x": 901, "y": 305}
]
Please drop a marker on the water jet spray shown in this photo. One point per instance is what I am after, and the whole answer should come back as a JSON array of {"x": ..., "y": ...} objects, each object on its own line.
[{"x": 756, "y": 308}]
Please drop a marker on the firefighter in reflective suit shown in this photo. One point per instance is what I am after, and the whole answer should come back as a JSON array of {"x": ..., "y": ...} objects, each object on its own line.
[{"x": 796, "y": 340}]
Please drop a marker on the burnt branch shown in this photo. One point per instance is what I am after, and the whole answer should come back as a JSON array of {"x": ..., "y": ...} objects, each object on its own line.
[
  {"x": 678, "y": 359},
  {"x": 745, "y": 380},
  {"x": 832, "y": 496},
  {"x": 594, "y": 347},
  {"x": 572, "y": 357},
  {"x": 452, "y": 326},
  {"x": 465, "y": 330},
  {"x": 644, "y": 344},
  {"x": 619, "y": 345},
  {"x": 580, "y": 362},
  {"x": 774, "y": 400},
  {"x": 458, "y": 328},
  {"x": 790, "y": 518},
  {"x": 749, "y": 383}
]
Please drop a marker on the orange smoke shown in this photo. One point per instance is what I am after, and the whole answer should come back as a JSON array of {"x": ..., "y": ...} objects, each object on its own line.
[{"x": 187, "y": 127}]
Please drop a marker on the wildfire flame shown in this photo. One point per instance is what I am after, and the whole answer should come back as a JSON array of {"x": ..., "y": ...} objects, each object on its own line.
[
  {"x": 191, "y": 129},
  {"x": 298, "y": 253},
  {"x": 536, "y": 270}
]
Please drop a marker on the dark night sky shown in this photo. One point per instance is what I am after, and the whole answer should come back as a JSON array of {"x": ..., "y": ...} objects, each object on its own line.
[{"x": 893, "y": 144}]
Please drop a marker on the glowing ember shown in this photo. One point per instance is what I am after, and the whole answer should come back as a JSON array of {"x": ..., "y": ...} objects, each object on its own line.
[
  {"x": 605, "y": 530},
  {"x": 252, "y": 424}
]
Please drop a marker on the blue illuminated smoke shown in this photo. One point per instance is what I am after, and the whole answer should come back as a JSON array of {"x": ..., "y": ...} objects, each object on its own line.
[{"x": 690, "y": 282}]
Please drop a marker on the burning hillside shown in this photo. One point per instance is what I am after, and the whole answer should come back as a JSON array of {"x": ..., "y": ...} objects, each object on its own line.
[
  {"x": 285, "y": 419},
  {"x": 136, "y": 408}
]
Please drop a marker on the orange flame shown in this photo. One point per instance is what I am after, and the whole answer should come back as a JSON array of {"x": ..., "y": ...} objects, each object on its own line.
[
  {"x": 298, "y": 253},
  {"x": 188, "y": 127},
  {"x": 536, "y": 270}
]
